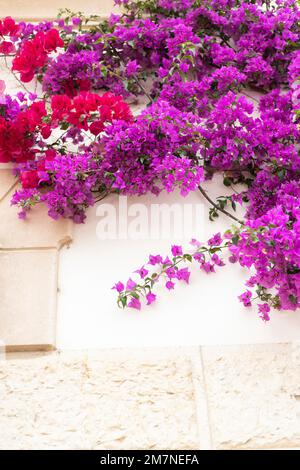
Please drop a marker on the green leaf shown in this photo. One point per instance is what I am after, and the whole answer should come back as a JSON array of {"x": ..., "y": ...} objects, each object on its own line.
[
  {"x": 235, "y": 239},
  {"x": 123, "y": 301},
  {"x": 293, "y": 299},
  {"x": 135, "y": 295},
  {"x": 215, "y": 249},
  {"x": 281, "y": 173},
  {"x": 227, "y": 181},
  {"x": 64, "y": 126}
]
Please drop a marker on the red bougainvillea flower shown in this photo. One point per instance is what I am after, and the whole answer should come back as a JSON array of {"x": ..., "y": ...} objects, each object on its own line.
[
  {"x": 17, "y": 132},
  {"x": 10, "y": 134},
  {"x": 89, "y": 111},
  {"x": 96, "y": 127},
  {"x": 7, "y": 47},
  {"x": 33, "y": 116},
  {"x": 46, "y": 131},
  {"x": 114, "y": 107},
  {"x": 61, "y": 105},
  {"x": 51, "y": 40},
  {"x": 29, "y": 179},
  {"x": 33, "y": 53},
  {"x": 8, "y": 27}
]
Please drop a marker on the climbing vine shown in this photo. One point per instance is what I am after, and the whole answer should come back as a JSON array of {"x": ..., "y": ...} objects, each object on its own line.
[{"x": 220, "y": 84}]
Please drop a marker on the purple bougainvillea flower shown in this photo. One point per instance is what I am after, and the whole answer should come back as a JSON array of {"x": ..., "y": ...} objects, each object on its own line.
[
  {"x": 132, "y": 67},
  {"x": 170, "y": 285},
  {"x": 119, "y": 287},
  {"x": 150, "y": 298},
  {"x": 134, "y": 303},
  {"x": 130, "y": 284},
  {"x": 264, "y": 310},
  {"x": 183, "y": 275},
  {"x": 155, "y": 259},
  {"x": 142, "y": 272},
  {"x": 176, "y": 250},
  {"x": 245, "y": 298}
]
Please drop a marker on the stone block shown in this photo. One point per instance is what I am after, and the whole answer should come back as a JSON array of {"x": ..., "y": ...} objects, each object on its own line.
[
  {"x": 28, "y": 292},
  {"x": 69, "y": 400},
  {"x": 42, "y": 406},
  {"x": 140, "y": 403},
  {"x": 253, "y": 395}
]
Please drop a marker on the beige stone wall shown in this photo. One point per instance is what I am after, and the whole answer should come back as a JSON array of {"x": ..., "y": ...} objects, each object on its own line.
[{"x": 231, "y": 397}]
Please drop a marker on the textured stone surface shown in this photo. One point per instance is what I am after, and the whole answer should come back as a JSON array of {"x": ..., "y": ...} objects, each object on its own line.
[
  {"x": 254, "y": 395},
  {"x": 78, "y": 401},
  {"x": 152, "y": 398},
  {"x": 28, "y": 288},
  {"x": 41, "y": 406}
]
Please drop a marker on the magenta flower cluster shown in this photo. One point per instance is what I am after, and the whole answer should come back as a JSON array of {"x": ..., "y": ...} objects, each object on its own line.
[{"x": 194, "y": 63}]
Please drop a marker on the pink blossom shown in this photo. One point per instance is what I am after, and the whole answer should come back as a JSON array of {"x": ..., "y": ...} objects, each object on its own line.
[
  {"x": 134, "y": 303},
  {"x": 150, "y": 298}
]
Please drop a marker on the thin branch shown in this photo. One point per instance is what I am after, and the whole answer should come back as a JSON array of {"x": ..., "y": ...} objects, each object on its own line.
[
  {"x": 116, "y": 52},
  {"x": 204, "y": 194},
  {"x": 15, "y": 76},
  {"x": 142, "y": 88},
  {"x": 106, "y": 193},
  {"x": 249, "y": 96}
]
